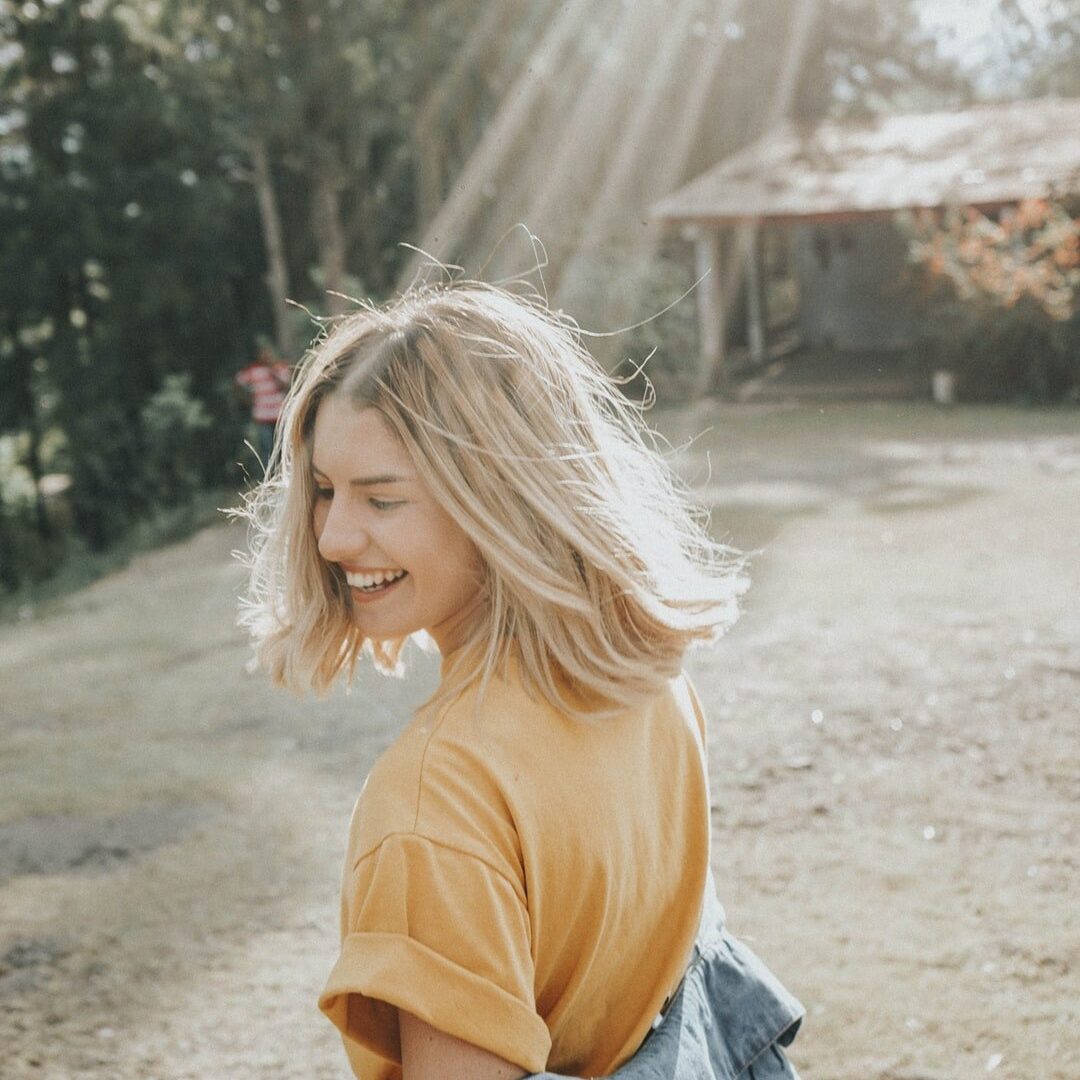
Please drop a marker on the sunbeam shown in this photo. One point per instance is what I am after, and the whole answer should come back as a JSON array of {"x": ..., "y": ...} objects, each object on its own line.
[{"x": 502, "y": 136}]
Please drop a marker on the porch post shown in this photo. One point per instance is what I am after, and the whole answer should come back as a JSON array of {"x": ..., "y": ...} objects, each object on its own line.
[
  {"x": 710, "y": 306},
  {"x": 755, "y": 294}
]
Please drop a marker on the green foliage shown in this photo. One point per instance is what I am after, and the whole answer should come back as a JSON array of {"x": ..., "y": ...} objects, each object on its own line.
[
  {"x": 1016, "y": 354},
  {"x": 1003, "y": 300},
  {"x": 82, "y": 563},
  {"x": 128, "y": 252},
  {"x": 667, "y": 340},
  {"x": 1037, "y": 47},
  {"x": 25, "y": 555},
  {"x": 864, "y": 57},
  {"x": 663, "y": 349},
  {"x": 331, "y": 88},
  {"x": 173, "y": 426},
  {"x": 125, "y": 230},
  {"x": 108, "y": 489},
  {"x": 127, "y": 467}
]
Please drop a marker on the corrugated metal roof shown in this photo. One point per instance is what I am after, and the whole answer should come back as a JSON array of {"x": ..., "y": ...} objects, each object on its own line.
[{"x": 987, "y": 155}]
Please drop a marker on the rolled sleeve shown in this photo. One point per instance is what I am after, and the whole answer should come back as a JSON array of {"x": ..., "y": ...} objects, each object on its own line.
[{"x": 445, "y": 936}]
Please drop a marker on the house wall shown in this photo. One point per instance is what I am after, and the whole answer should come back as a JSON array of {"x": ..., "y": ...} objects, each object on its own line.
[{"x": 851, "y": 293}]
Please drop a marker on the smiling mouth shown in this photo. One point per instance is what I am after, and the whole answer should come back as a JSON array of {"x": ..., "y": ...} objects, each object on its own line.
[{"x": 381, "y": 587}]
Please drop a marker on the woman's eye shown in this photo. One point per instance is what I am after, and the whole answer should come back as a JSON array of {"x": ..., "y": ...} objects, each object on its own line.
[
  {"x": 382, "y": 504},
  {"x": 324, "y": 493}
]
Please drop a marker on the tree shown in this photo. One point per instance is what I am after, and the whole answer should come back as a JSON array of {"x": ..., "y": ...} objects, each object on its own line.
[
  {"x": 1045, "y": 51},
  {"x": 873, "y": 56},
  {"x": 125, "y": 246},
  {"x": 156, "y": 158},
  {"x": 316, "y": 98}
]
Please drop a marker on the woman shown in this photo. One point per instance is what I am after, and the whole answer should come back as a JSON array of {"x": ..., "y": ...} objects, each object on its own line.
[{"x": 527, "y": 881}]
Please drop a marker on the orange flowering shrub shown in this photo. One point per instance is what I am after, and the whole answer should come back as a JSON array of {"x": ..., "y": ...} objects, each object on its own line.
[
  {"x": 1031, "y": 251},
  {"x": 1000, "y": 299}
]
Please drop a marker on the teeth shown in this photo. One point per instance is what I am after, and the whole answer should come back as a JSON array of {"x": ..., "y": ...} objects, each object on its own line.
[{"x": 369, "y": 581}]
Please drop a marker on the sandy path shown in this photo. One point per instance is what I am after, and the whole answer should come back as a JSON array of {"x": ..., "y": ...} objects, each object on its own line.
[{"x": 894, "y": 747}]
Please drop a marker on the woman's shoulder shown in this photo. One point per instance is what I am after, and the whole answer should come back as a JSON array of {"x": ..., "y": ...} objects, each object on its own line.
[
  {"x": 445, "y": 777},
  {"x": 463, "y": 773}
]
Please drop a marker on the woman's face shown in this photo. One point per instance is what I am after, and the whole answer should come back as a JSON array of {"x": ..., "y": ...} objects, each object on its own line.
[{"x": 408, "y": 564}]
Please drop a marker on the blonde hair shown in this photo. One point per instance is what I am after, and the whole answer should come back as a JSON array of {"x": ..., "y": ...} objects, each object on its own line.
[{"x": 598, "y": 572}]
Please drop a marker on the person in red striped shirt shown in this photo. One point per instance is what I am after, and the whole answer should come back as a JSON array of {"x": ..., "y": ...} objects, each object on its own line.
[{"x": 265, "y": 379}]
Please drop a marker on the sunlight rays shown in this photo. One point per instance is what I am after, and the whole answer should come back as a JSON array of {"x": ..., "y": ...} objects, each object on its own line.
[
  {"x": 502, "y": 136},
  {"x": 605, "y": 117}
]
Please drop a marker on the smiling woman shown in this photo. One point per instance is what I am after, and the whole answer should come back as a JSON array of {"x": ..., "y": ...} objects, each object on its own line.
[
  {"x": 408, "y": 564},
  {"x": 527, "y": 880},
  {"x": 585, "y": 555}
]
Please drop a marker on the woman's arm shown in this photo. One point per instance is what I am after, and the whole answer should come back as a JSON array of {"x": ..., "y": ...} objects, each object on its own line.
[{"x": 430, "y": 1054}]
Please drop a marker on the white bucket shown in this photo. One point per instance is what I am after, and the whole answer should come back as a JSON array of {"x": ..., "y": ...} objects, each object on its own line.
[{"x": 943, "y": 387}]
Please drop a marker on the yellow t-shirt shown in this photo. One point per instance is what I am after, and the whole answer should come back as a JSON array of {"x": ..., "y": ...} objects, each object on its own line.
[{"x": 525, "y": 881}]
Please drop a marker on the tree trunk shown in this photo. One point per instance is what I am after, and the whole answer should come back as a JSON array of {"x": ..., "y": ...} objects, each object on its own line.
[
  {"x": 277, "y": 273},
  {"x": 431, "y": 122},
  {"x": 326, "y": 226},
  {"x": 361, "y": 237},
  {"x": 33, "y": 461},
  {"x": 431, "y": 153}
]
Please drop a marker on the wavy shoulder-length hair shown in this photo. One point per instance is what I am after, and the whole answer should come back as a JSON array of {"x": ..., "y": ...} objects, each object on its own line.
[{"x": 598, "y": 571}]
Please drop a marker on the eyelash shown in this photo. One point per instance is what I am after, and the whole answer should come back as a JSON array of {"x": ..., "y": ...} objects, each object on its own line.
[{"x": 379, "y": 504}]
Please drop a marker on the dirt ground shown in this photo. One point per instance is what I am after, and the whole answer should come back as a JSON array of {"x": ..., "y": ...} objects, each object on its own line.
[{"x": 894, "y": 748}]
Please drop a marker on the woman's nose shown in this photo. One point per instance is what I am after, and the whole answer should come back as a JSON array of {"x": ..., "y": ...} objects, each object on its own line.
[{"x": 342, "y": 539}]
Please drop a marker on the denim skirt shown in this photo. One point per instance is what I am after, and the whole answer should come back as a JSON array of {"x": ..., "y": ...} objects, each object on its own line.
[{"x": 730, "y": 1019}]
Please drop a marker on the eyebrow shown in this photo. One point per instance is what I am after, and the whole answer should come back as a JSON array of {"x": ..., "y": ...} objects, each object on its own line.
[{"x": 368, "y": 481}]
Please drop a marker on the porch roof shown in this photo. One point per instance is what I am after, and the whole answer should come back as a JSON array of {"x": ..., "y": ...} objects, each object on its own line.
[{"x": 988, "y": 155}]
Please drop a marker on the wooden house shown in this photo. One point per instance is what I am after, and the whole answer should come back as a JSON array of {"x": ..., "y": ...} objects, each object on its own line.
[{"x": 821, "y": 205}]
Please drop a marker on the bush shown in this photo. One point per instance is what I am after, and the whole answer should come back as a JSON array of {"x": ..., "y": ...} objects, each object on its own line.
[
  {"x": 107, "y": 472},
  {"x": 1003, "y": 299},
  {"x": 222, "y": 443},
  {"x": 607, "y": 290},
  {"x": 1012, "y": 354},
  {"x": 174, "y": 427},
  {"x": 25, "y": 554},
  {"x": 125, "y": 468}
]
